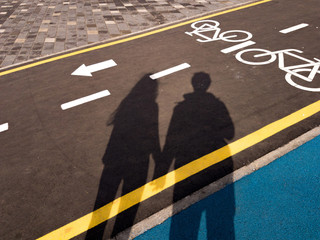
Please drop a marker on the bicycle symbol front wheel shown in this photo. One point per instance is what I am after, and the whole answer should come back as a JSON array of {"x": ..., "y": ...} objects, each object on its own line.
[
  {"x": 252, "y": 55},
  {"x": 235, "y": 36},
  {"x": 292, "y": 83}
]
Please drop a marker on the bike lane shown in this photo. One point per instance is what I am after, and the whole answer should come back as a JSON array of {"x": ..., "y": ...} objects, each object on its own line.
[{"x": 62, "y": 149}]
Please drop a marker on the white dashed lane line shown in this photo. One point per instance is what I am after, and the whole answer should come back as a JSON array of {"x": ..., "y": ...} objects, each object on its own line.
[
  {"x": 86, "y": 99},
  {"x": 238, "y": 46},
  {"x": 294, "y": 28},
  {"x": 4, "y": 127},
  {"x": 170, "y": 71}
]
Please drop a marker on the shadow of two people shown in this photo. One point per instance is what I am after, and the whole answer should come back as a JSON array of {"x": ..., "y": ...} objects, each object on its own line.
[{"x": 199, "y": 125}]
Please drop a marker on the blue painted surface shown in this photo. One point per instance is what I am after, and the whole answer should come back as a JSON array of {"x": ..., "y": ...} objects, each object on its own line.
[{"x": 279, "y": 201}]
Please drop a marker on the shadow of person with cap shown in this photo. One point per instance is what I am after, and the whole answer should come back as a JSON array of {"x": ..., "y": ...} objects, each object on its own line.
[
  {"x": 133, "y": 141},
  {"x": 200, "y": 124}
]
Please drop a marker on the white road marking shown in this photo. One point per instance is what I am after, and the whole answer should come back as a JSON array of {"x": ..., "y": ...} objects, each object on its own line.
[
  {"x": 294, "y": 28},
  {"x": 84, "y": 70},
  {"x": 238, "y": 46},
  {"x": 4, "y": 127},
  {"x": 169, "y": 71},
  {"x": 85, "y": 99}
]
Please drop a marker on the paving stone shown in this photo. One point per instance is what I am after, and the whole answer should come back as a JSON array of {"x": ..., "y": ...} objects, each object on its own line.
[
  {"x": 58, "y": 47},
  {"x": 21, "y": 58},
  {"x": 92, "y": 38},
  {"x": 113, "y": 30},
  {"x": 9, "y": 59},
  {"x": 49, "y": 40},
  {"x": 82, "y": 43},
  {"x": 20, "y": 40},
  {"x": 70, "y": 45}
]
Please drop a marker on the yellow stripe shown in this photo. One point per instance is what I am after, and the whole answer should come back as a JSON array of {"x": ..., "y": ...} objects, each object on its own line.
[
  {"x": 149, "y": 190},
  {"x": 125, "y": 39}
]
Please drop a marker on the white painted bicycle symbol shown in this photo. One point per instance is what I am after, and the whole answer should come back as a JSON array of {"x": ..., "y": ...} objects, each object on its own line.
[
  {"x": 204, "y": 29},
  {"x": 209, "y": 31},
  {"x": 310, "y": 67}
]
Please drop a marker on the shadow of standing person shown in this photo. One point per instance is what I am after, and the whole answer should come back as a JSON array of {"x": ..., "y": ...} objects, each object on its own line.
[
  {"x": 200, "y": 124},
  {"x": 133, "y": 140}
]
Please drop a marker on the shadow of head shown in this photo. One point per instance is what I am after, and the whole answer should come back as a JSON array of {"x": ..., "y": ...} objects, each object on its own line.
[
  {"x": 201, "y": 82},
  {"x": 146, "y": 88},
  {"x": 141, "y": 97}
]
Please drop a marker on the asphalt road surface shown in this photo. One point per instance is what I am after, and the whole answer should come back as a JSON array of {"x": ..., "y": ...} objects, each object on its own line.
[{"x": 61, "y": 160}]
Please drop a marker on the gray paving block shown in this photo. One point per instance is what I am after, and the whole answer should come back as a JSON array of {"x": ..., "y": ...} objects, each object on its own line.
[
  {"x": 8, "y": 60},
  {"x": 113, "y": 29},
  {"x": 92, "y": 38}
]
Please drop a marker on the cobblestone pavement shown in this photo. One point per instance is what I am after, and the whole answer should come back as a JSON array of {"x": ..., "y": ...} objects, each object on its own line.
[{"x": 34, "y": 28}]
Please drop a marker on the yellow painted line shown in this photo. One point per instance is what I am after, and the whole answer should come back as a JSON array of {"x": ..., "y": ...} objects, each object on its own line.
[
  {"x": 156, "y": 186},
  {"x": 125, "y": 39}
]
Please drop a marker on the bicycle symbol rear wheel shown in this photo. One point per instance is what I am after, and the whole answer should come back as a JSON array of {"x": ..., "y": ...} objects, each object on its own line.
[{"x": 292, "y": 83}]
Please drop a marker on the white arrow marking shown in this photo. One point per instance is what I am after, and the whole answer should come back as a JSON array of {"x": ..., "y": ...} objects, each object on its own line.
[
  {"x": 84, "y": 70},
  {"x": 86, "y": 99},
  {"x": 4, "y": 127}
]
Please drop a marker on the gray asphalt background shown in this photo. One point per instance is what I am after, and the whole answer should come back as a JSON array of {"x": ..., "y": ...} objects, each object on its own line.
[{"x": 52, "y": 164}]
